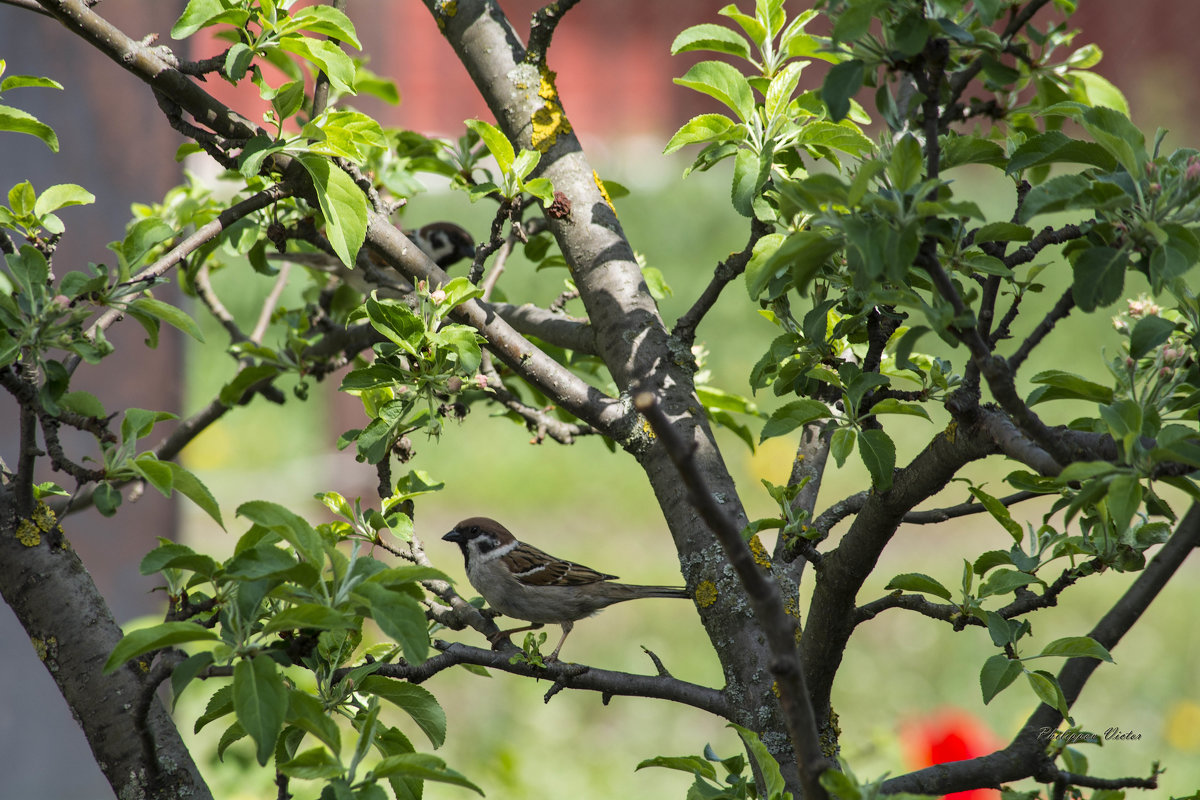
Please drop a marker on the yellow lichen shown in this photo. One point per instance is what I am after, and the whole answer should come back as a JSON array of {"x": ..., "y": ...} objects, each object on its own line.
[
  {"x": 445, "y": 10},
  {"x": 706, "y": 594},
  {"x": 775, "y": 688},
  {"x": 28, "y": 533},
  {"x": 951, "y": 431},
  {"x": 44, "y": 518},
  {"x": 549, "y": 120},
  {"x": 39, "y": 647},
  {"x": 646, "y": 429},
  {"x": 603, "y": 191},
  {"x": 759, "y": 552}
]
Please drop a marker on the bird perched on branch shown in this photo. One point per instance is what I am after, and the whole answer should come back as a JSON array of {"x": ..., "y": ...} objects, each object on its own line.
[
  {"x": 444, "y": 242},
  {"x": 523, "y": 582}
]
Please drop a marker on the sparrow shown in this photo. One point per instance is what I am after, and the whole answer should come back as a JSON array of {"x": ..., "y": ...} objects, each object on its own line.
[
  {"x": 444, "y": 242},
  {"x": 523, "y": 582}
]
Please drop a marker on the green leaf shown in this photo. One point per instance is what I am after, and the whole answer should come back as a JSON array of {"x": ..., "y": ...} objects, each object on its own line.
[
  {"x": 156, "y": 637},
  {"x": 26, "y": 81},
  {"x": 704, "y": 128},
  {"x": 176, "y": 556},
  {"x": 191, "y": 487},
  {"x": 397, "y": 322},
  {"x": 326, "y": 20},
  {"x": 260, "y": 699},
  {"x": 1054, "y": 147},
  {"x": 400, "y": 617},
  {"x": 496, "y": 143},
  {"x": 343, "y": 205},
  {"x": 768, "y": 767},
  {"x": 417, "y": 702},
  {"x": 1099, "y": 277},
  {"x": 997, "y": 674},
  {"x": 421, "y": 766},
  {"x": 879, "y": 455},
  {"x": 1148, "y": 333},
  {"x": 1124, "y": 498},
  {"x": 792, "y": 415},
  {"x": 693, "y": 764},
  {"x": 906, "y": 165},
  {"x": 1046, "y": 687},
  {"x": 202, "y": 13},
  {"x": 1113, "y": 131},
  {"x": 919, "y": 582},
  {"x": 142, "y": 237},
  {"x": 1059, "y": 385},
  {"x": 262, "y": 561},
  {"x": 1077, "y": 647},
  {"x": 232, "y": 393},
  {"x": 168, "y": 314},
  {"x": 803, "y": 254},
  {"x": 841, "y": 444},
  {"x": 293, "y": 528},
  {"x": 308, "y": 713},
  {"x": 1000, "y": 513},
  {"x": 841, "y": 83},
  {"x": 1003, "y": 232},
  {"x": 890, "y": 405},
  {"x": 708, "y": 36},
  {"x": 60, "y": 196},
  {"x": 308, "y": 615},
  {"x": 313, "y": 764},
  {"x": 750, "y": 172},
  {"x": 1003, "y": 581},
  {"x": 18, "y": 121},
  {"x": 720, "y": 80},
  {"x": 959, "y": 150}
]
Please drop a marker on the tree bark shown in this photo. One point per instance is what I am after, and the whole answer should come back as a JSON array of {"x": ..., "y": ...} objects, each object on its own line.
[{"x": 135, "y": 743}]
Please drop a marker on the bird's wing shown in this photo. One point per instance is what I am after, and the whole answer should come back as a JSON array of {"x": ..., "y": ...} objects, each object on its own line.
[{"x": 534, "y": 567}]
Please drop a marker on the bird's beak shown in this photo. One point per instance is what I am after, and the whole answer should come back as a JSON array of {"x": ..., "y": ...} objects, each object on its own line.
[{"x": 453, "y": 536}]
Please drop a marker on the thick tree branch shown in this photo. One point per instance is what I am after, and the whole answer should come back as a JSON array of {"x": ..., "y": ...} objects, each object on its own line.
[
  {"x": 560, "y": 330},
  {"x": 831, "y": 617},
  {"x": 764, "y": 596}
]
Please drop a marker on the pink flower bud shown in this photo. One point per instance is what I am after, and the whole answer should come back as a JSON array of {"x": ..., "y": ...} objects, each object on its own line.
[
  {"x": 1155, "y": 188},
  {"x": 481, "y": 381},
  {"x": 438, "y": 296},
  {"x": 1192, "y": 174}
]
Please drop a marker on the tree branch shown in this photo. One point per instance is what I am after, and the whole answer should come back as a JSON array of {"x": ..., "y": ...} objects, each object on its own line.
[
  {"x": 560, "y": 330},
  {"x": 541, "y": 28},
  {"x": 571, "y": 676},
  {"x": 726, "y": 271},
  {"x": 1025, "y": 756},
  {"x": 764, "y": 596},
  {"x": 1061, "y": 309}
]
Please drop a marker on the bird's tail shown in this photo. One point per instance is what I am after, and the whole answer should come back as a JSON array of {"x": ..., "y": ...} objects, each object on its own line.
[{"x": 662, "y": 591}]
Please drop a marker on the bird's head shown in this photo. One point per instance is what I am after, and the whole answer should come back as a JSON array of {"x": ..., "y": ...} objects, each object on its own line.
[
  {"x": 444, "y": 242},
  {"x": 479, "y": 535}
]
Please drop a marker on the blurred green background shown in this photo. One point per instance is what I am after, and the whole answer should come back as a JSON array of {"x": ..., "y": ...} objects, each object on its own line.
[{"x": 587, "y": 504}]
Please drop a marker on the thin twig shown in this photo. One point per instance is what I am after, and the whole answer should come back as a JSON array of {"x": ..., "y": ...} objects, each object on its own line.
[
  {"x": 268, "y": 307},
  {"x": 203, "y": 234},
  {"x": 726, "y": 271},
  {"x": 1061, "y": 309}
]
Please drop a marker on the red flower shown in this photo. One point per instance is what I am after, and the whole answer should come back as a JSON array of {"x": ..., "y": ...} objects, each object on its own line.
[{"x": 949, "y": 735}]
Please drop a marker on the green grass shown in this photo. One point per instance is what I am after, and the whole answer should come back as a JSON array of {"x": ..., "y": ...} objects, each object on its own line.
[{"x": 585, "y": 503}]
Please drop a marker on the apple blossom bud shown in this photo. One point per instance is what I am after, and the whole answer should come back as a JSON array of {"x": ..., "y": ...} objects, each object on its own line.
[{"x": 438, "y": 296}]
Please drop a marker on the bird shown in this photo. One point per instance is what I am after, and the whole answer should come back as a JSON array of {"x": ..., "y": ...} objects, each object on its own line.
[
  {"x": 523, "y": 582},
  {"x": 444, "y": 242}
]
